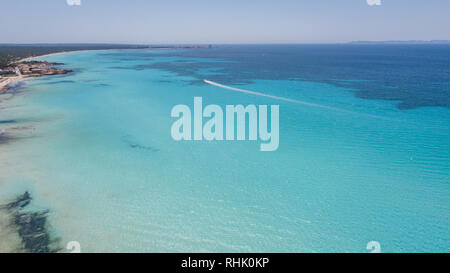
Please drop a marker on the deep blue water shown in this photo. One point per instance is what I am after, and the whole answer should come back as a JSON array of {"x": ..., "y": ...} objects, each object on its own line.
[{"x": 414, "y": 75}]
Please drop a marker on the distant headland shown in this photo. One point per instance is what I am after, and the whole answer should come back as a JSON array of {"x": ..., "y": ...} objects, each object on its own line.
[{"x": 409, "y": 42}]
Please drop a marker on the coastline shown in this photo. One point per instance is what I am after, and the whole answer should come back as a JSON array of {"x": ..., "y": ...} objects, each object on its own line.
[
  {"x": 25, "y": 231},
  {"x": 6, "y": 83},
  {"x": 22, "y": 232},
  {"x": 27, "y": 59}
]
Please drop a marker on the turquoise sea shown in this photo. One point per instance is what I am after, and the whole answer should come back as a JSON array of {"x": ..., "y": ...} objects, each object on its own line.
[{"x": 373, "y": 164}]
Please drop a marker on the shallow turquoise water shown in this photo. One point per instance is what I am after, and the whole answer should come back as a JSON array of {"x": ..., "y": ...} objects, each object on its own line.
[{"x": 101, "y": 157}]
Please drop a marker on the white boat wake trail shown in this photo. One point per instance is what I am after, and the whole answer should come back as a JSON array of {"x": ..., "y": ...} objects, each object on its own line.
[{"x": 287, "y": 99}]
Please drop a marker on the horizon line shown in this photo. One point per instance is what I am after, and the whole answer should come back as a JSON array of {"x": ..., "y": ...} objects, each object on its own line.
[{"x": 229, "y": 43}]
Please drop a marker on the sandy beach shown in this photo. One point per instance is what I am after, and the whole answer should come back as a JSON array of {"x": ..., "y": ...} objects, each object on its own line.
[
  {"x": 5, "y": 82},
  {"x": 43, "y": 56},
  {"x": 64, "y": 52}
]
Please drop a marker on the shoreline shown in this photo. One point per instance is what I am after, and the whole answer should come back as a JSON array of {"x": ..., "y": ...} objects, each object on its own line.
[
  {"x": 27, "y": 59},
  {"x": 23, "y": 231},
  {"x": 6, "y": 83}
]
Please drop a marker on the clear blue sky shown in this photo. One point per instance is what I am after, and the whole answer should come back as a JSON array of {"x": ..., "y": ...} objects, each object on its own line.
[{"x": 225, "y": 21}]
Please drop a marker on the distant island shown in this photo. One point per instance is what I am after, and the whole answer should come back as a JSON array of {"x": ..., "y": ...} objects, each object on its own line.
[{"x": 418, "y": 42}]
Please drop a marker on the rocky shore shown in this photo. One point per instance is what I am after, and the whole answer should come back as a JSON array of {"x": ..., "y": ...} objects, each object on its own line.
[{"x": 27, "y": 69}]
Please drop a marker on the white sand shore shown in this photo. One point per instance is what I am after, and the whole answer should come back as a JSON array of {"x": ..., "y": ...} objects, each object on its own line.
[
  {"x": 64, "y": 52},
  {"x": 43, "y": 56},
  {"x": 4, "y": 82}
]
